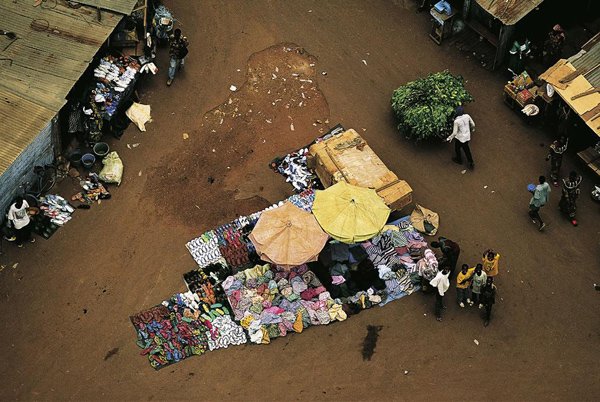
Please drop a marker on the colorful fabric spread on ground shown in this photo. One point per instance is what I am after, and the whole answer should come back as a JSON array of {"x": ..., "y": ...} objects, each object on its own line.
[
  {"x": 184, "y": 326},
  {"x": 234, "y": 297},
  {"x": 230, "y": 245},
  {"x": 270, "y": 303}
]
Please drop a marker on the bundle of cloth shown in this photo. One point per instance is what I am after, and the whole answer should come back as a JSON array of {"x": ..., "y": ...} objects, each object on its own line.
[
  {"x": 269, "y": 303},
  {"x": 375, "y": 272}
]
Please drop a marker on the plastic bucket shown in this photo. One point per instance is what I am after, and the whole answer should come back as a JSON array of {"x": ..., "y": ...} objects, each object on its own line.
[
  {"x": 75, "y": 158},
  {"x": 88, "y": 160},
  {"x": 101, "y": 149}
]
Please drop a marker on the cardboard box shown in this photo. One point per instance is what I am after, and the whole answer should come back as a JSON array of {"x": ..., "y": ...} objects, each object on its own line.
[{"x": 348, "y": 157}]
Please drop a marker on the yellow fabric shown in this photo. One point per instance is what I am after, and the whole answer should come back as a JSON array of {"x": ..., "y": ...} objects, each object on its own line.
[
  {"x": 336, "y": 312},
  {"x": 491, "y": 267},
  {"x": 460, "y": 277},
  {"x": 298, "y": 327},
  {"x": 246, "y": 321},
  {"x": 288, "y": 236},
  {"x": 265, "y": 337},
  {"x": 390, "y": 227},
  {"x": 349, "y": 213},
  {"x": 256, "y": 271}
]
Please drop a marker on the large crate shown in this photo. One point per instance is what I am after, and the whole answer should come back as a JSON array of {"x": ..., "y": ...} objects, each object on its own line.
[{"x": 348, "y": 157}]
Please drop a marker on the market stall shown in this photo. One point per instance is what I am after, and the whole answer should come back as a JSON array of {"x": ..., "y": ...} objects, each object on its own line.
[
  {"x": 577, "y": 82},
  {"x": 521, "y": 91},
  {"x": 234, "y": 297}
]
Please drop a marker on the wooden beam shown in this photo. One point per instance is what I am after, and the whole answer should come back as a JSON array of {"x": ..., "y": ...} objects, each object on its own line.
[{"x": 586, "y": 93}]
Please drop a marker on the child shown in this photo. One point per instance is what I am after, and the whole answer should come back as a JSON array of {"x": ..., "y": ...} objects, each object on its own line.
[
  {"x": 490, "y": 262},
  {"x": 463, "y": 283},
  {"x": 557, "y": 149},
  {"x": 479, "y": 280}
]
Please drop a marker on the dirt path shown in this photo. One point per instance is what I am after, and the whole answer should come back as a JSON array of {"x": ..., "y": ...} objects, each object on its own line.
[{"x": 65, "y": 306}]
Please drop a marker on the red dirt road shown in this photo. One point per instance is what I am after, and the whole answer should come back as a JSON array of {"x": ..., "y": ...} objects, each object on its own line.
[{"x": 66, "y": 333}]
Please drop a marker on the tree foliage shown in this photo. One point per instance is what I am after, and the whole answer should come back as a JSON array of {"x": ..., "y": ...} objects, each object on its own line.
[{"x": 425, "y": 107}]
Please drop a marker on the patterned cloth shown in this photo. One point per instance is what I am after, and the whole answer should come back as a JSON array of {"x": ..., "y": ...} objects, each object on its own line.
[{"x": 270, "y": 303}]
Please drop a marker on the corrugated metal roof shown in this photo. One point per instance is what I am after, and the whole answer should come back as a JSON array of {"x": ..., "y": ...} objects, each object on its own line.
[
  {"x": 589, "y": 64},
  {"x": 53, "y": 48},
  {"x": 509, "y": 11},
  {"x": 118, "y": 6}
]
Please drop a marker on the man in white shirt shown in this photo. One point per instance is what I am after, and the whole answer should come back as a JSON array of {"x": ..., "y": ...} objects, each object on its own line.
[
  {"x": 463, "y": 125},
  {"x": 440, "y": 283},
  {"x": 19, "y": 218}
]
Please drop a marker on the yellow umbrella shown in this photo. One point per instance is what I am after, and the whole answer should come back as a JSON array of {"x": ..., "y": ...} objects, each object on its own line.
[
  {"x": 349, "y": 213},
  {"x": 288, "y": 236}
]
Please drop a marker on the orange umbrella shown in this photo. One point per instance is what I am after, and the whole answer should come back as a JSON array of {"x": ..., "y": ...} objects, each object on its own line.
[{"x": 288, "y": 236}]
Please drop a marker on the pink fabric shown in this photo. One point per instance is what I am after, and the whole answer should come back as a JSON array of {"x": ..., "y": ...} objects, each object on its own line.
[{"x": 337, "y": 279}]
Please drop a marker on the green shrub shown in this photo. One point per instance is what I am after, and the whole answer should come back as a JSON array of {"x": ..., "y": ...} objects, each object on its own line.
[{"x": 425, "y": 107}]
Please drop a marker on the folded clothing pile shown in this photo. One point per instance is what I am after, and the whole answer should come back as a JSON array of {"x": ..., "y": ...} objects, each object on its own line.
[
  {"x": 56, "y": 208},
  {"x": 184, "y": 326},
  {"x": 270, "y": 303},
  {"x": 398, "y": 253},
  {"x": 294, "y": 168},
  {"x": 113, "y": 75},
  {"x": 117, "y": 71}
]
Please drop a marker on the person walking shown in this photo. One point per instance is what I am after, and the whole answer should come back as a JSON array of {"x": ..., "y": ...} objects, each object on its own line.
[
  {"x": 461, "y": 134},
  {"x": 463, "y": 285},
  {"x": 490, "y": 262},
  {"x": 538, "y": 200},
  {"x": 553, "y": 45},
  {"x": 555, "y": 155},
  {"x": 178, "y": 50},
  {"x": 441, "y": 283},
  {"x": 488, "y": 298},
  {"x": 570, "y": 193},
  {"x": 19, "y": 218},
  {"x": 450, "y": 250},
  {"x": 479, "y": 280}
]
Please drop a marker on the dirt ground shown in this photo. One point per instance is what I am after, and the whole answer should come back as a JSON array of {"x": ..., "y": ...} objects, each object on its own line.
[{"x": 65, "y": 306}]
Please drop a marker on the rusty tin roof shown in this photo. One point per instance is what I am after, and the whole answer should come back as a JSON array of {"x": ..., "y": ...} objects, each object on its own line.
[
  {"x": 509, "y": 11},
  {"x": 53, "y": 47}
]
